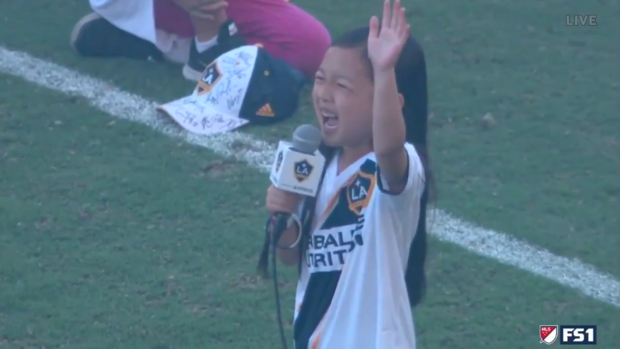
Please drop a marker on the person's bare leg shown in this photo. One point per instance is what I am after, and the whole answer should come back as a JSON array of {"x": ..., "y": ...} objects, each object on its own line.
[
  {"x": 206, "y": 17},
  {"x": 215, "y": 34}
]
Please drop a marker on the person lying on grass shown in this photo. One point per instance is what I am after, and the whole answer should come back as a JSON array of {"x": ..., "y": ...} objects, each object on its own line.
[
  {"x": 361, "y": 248},
  {"x": 195, "y": 32}
]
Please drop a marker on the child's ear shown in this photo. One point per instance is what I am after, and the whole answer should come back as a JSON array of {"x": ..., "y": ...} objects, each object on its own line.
[{"x": 401, "y": 99}]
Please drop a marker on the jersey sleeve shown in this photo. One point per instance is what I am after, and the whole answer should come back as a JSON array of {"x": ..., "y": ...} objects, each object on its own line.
[{"x": 414, "y": 185}]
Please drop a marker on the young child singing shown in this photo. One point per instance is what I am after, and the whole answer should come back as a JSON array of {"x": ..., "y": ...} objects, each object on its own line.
[{"x": 362, "y": 249}]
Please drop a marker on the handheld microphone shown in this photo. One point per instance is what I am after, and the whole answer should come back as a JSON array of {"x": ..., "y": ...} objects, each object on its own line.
[{"x": 297, "y": 168}]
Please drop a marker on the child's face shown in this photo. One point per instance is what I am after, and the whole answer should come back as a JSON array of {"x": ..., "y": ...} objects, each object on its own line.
[{"x": 342, "y": 96}]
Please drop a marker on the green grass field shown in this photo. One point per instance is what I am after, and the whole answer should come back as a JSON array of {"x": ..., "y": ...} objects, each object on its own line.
[{"x": 113, "y": 235}]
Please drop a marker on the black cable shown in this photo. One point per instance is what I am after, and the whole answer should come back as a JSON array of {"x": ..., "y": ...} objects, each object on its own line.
[{"x": 279, "y": 227}]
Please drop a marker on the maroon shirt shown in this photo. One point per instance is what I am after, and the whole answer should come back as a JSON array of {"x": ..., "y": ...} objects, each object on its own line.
[{"x": 283, "y": 29}]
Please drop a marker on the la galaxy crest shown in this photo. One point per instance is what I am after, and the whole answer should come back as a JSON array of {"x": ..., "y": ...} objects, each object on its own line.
[
  {"x": 359, "y": 191},
  {"x": 303, "y": 170},
  {"x": 212, "y": 75},
  {"x": 279, "y": 161}
]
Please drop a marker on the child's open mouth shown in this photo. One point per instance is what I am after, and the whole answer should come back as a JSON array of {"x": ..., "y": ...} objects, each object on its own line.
[{"x": 330, "y": 120}]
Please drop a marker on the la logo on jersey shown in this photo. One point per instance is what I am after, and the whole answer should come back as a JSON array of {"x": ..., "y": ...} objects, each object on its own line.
[
  {"x": 548, "y": 334},
  {"x": 303, "y": 170},
  {"x": 360, "y": 191}
]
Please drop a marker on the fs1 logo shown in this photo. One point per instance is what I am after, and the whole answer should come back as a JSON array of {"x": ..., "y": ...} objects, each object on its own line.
[
  {"x": 569, "y": 335},
  {"x": 578, "y": 335}
]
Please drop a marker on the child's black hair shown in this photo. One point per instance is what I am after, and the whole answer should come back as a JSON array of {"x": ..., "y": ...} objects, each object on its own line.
[{"x": 411, "y": 81}]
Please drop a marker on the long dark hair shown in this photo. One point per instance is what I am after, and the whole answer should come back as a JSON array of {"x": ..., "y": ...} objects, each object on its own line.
[{"x": 411, "y": 81}]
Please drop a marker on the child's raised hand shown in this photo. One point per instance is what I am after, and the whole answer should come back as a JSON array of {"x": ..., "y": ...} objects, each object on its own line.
[{"x": 386, "y": 43}]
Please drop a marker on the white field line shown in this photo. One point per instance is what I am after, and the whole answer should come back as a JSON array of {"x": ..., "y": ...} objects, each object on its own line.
[{"x": 501, "y": 247}]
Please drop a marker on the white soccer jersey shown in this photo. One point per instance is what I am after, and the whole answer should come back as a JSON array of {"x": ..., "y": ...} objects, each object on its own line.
[{"x": 351, "y": 292}]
